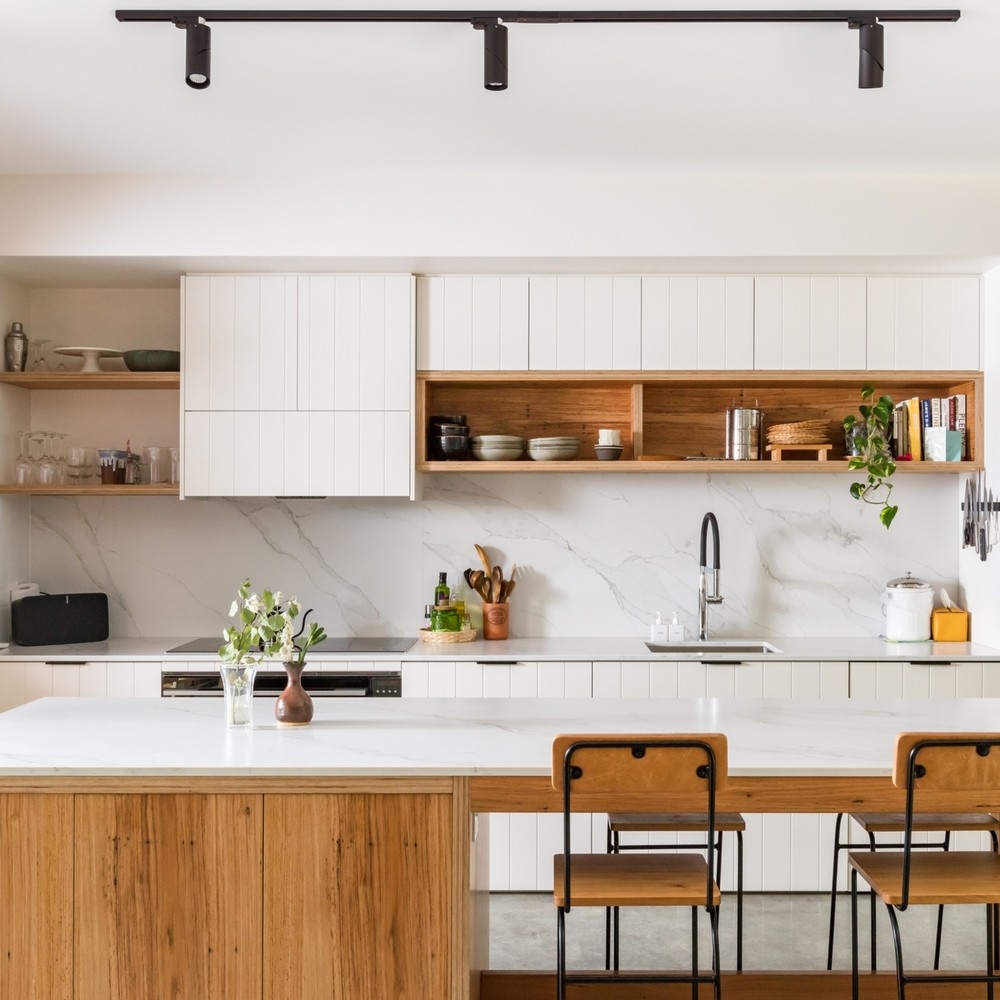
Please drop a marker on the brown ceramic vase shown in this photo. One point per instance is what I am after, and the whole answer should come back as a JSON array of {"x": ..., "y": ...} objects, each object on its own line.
[{"x": 294, "y": 707}]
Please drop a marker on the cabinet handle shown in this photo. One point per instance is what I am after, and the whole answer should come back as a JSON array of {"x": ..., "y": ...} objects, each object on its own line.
[{"x": 497, "y": 663}]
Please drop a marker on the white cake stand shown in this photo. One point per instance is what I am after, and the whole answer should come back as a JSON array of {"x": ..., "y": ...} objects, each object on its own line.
[{"x": 90, "y": 355}]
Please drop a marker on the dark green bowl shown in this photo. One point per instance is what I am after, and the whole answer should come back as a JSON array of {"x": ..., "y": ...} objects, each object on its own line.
[{"x": 152, "y": 361}]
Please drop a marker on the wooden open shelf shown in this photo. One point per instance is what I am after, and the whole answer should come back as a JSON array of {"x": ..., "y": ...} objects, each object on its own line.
[
  {"x": 92, "y": 380},
  {"x": 673, "y": 421},
  {"x": 94, "y": 490}
]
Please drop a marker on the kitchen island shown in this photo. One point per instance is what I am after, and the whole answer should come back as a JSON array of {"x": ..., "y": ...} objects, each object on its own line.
[{"x": 146, "y": 851}]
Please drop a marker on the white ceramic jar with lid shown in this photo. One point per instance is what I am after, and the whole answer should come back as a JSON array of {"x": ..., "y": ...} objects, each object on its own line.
[{"x": 907, "y": 608}]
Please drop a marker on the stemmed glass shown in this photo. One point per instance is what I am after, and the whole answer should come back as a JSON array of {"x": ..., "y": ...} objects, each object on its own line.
[
  {"x": 24, "y": 464},
  {"x": 58, "y": 452},
  {"x": 47, "y": 467},
  {"x": 38, "y": 356}
]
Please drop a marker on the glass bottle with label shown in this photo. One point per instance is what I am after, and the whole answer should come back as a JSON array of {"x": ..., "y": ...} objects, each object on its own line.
[{"x": 442, "y": 593}]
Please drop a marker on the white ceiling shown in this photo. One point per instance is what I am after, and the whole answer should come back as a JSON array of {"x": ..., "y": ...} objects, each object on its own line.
[{"x": 83, "y": 93}]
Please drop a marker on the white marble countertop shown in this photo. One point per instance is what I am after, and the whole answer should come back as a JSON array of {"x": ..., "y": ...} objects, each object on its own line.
[
  {"x": 420, "y": 737},
  {"x": 540, "y": 649}
]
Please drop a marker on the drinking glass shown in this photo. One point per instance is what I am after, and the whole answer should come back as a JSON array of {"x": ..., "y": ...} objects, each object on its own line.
[
  {"x": 24, "y": 464},
  {"x": 38, "y": 356},
  {"x": 48, "y": 469},
  {"x": 58, "y": 451}
]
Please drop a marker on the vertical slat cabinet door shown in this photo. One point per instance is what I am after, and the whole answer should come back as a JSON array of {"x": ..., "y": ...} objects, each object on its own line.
[
  {"x": 739, "y": 324},
  {"x": 247, "y": 455},
  {"x": 655, "y": 335},
  {"x": 513, "y": 324},
  {"x": 222, "y": 343},
  {"x": 398, "y": 469},
  {"x": 626, "y": 319},
  {"x": 347, "y": 344},
  {"x": 371, "y": 431},
  {"x": 485, "y": 319},
  {"x": 458, "y": 323},
  {"x": 543, "y": 311},
  {"x": 571, "y": 298},
  {"x": 795, "y": 322},
  {"x": 925, "y": 322},
  {"x": 373, "y": 350},
  {"x": 13, "y": 690},
  {"x": 196, "y": 292},
  {"x": 347, "y": 454},
  {"x": 221, "y": 444},
  {"x": 710, "y": 342},
  {"x": 195, "y": 456},
  {"x": 430, "y": 322},
  {"x": 319, "y": 306},
  {"x": 767, "y": 323},
  {"x": 271, "y": 442},
  {"x": 682, "y": 320},
  {"x": 322, "y": 440},
  {"x": 295, "y": 453},
  {"x": 598, "y": 323},
  {"x": 400, "y": 365},
  {"x": 267, "y": 342},
  {"x": 837, "y": 323}
]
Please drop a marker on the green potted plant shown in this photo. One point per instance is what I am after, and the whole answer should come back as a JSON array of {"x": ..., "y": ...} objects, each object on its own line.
[
  {"x": 868, "y": 443},
  {"x": 265, "y": 630}
]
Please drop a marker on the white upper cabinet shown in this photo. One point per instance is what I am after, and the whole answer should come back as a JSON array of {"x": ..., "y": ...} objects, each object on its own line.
[
  {"x": 472, "y": 323},
  {"x": 805, "y": 322},
  {"x": 692, "y": 322},
  {"x": 298, "y": 385},
  {"x": 925, "y": 322},
  {"x": 585, "y": 323}
]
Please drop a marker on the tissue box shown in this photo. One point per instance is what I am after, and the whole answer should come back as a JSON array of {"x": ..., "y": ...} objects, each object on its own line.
[{"x": 949, "y": 625}]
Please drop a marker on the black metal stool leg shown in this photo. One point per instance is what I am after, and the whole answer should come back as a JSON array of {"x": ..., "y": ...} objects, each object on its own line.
[
  {"x": 833, "y": 888},
  {"x": 871, "y": 897},
  {"x": 694, "y": 951},
  {"x": 739, "y": 900},
  {"x": 854, "y": 934}
]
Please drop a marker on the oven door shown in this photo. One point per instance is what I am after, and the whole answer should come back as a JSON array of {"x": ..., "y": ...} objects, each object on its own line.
[{"x": 319, "y": 685}]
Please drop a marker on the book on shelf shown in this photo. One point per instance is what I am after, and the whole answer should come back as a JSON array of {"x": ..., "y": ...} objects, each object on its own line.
[{"x": 931, "y": 429}]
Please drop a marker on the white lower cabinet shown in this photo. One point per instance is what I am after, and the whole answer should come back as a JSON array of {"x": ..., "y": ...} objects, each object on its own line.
[{"x": 22, "y": 681}]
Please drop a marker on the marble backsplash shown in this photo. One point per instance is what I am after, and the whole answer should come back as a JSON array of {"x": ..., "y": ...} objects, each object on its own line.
[{"x": 596, "y": 554}]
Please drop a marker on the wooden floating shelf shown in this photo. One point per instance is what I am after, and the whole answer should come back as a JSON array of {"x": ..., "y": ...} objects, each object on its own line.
[
  {"x": 95, "y": 490},
  {"x": 709, "y": 465},
  {"x": 92, "y": 380}
]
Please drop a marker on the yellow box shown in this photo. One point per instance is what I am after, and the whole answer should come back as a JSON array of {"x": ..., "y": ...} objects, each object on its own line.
[{"x": 949, "y": 625}]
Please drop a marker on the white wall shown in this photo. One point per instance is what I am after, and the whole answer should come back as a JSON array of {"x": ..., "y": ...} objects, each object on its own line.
[
  {"x": 575, "y": 213},
  {"x": 14, "y": 305}
]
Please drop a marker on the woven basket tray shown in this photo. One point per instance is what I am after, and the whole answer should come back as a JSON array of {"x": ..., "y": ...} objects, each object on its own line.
[{"x": 466, "y": 635}]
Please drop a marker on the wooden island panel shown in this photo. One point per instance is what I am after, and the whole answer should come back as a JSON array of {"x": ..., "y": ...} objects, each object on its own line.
[
  {"x": 366, "y": 882},
  {"x": 36, "y": 896},
  {"x": 167, "y": 897}
]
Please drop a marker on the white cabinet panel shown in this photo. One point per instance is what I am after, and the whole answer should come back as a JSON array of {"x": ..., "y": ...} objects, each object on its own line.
[
  {"x": 472, "y": 322},
  {"x": 283, "y": 349},
  {"x": 809, "y": 322},
  {"x": 692, "y": 322},
  {"x": 930, "y": 322},
  {"x": 25, "y": 680}
]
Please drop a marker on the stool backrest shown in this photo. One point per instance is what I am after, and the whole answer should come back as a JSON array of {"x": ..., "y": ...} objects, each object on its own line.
[
  {"x": 649, "y": 764},
  {"x": 961, "y": 762}
]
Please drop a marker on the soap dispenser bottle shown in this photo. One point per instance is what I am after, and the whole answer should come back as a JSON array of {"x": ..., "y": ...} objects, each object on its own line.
[
  {"x": 658, "y": 631},
  {"x": 675, "y": 630}
]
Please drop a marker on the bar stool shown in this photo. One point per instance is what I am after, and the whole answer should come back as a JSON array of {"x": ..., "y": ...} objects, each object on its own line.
[
  {"x": 876, "y": 823},
  {"x": 647, "y": 767},
  {"x": 619, "y": 823}
]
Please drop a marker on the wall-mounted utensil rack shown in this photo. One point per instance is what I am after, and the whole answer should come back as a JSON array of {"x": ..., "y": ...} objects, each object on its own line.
[{"x": 981, "y": 521}]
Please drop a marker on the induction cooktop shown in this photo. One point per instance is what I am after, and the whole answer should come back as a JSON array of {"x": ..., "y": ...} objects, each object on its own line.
[{"x": 332, "y": 644}]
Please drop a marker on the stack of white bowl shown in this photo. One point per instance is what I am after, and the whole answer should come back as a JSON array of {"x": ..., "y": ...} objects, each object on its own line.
[
  {"x": 497, "y": 447},
  {"x": 553, "y": 449}
]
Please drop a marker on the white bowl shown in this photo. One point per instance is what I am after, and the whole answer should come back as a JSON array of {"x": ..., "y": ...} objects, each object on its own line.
[
  {"x": 511, "y": 440},
  {"x": 508, "y": 449},
  {"x": 554, "y": 452}
]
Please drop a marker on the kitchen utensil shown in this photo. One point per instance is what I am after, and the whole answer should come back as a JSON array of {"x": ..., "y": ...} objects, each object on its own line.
[
  {"x": 483, "y": 558},
  {"x": 907, "y": 607},
  {"x": 497, "y": 578},
  {"x": 743, "y": 433}
]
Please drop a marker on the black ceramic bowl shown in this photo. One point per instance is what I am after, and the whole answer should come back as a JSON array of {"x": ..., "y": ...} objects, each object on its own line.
[{"x": 453, "y": 446}]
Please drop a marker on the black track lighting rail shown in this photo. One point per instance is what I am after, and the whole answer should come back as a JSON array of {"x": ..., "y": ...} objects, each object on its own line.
[
  {"x": 546, "y": 16},
  {"x": 493, "y": 24}
]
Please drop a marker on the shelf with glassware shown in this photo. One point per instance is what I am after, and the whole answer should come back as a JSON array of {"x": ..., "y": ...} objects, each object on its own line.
[
  {"x": 675, "y": 421},
  {"x": 45, "y": 380}
]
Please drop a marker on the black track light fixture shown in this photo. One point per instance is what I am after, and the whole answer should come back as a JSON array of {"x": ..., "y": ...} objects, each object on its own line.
[
  {"x": 871, "y": 58},
  {"x": 869, "y": 24},
  {"x": 198, "y": 61},
  {"x": 494, "y": 53}
]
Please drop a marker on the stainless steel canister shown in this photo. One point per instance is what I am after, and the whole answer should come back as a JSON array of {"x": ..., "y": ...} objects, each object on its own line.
[
  {"x": 743, "y": 433},
  {"x": 16, "y": 348}
]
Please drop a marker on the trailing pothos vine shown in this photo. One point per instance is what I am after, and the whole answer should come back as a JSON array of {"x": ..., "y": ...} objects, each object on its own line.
[{"x": 870, "y": 434}]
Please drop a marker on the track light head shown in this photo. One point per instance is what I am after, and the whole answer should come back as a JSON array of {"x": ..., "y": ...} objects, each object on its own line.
[
  {"x": 871, "y": 60},
  {"x": 198, "y": 63},
  {"x": 494, "y": 54}
]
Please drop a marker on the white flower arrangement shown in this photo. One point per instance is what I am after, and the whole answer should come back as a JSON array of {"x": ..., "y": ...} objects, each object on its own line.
[{"x": 266, "y": 629}]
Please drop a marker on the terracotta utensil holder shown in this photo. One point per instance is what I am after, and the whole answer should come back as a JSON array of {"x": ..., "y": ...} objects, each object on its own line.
[{"x": 496, "y": 620}]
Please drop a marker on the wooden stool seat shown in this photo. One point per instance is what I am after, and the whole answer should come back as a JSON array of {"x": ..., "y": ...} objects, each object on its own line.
[
  {"x": 634, "y": 880},
  {"x": 680, "y": 822},
  {"x": 936, "y": 878},
  {"x": 927, "y": 822}
]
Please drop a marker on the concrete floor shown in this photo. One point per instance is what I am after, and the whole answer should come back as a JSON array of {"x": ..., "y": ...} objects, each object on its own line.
[{"x": 780, "y": 931}]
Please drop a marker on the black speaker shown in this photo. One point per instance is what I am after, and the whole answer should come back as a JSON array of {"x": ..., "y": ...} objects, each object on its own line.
[{"x": 52, "y": 619}]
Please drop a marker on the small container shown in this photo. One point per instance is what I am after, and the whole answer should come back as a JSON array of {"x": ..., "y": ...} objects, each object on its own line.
[
  {"x": 16, "y": 348},
  {"x": 444, "y": 618},
  {"x": 949, "y": 625},
  {"x": 743, "y": 425}
]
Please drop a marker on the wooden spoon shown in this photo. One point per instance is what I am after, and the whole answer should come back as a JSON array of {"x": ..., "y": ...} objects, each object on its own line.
[
  {"x": 485, "y": 560},
  {"x": 497, "y": 579},
  {"x": 511, "y": 584}
]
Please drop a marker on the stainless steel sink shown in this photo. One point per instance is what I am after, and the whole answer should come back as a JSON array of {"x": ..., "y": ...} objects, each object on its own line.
[{"x": 713, "y": 646}]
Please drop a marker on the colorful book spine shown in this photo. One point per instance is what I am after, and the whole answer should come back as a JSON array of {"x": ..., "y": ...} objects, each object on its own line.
[{"x": 915, "y": 428}]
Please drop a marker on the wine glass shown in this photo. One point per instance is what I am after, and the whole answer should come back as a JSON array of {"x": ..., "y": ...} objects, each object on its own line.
[
  {"x": 24, "y": 464},
  {"x": 37, "y": 363},
  {"x": 58, "y": 451},
  {"x": 47, "y": 467}
]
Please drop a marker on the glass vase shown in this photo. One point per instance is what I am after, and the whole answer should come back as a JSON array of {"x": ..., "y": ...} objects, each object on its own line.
[
  {"x": 294, "y": 707},
  {"x": 237, "y": 682}
]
